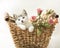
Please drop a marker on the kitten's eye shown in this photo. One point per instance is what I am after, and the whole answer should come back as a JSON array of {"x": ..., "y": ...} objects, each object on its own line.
[
  {"x": 23, "y": 17},
  {"x": 18, "y": 19}
]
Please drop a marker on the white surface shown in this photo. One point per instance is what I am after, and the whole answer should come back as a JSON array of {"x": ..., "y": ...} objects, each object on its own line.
[{"x": 14, "y": 6}]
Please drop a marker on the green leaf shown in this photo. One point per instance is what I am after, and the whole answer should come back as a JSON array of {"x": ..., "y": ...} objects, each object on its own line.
[
  {"x": 39, "y": 32},
  {"x": 47, "y": 25}
]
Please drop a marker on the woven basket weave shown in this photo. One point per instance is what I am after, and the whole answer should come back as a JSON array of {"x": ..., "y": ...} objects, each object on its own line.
[{"x": 26, "y": 39}]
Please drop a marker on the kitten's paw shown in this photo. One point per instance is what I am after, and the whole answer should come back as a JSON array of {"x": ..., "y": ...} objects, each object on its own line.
[
  {"x": 31, "y": 29},
  {"x": 23, "y": 27}
]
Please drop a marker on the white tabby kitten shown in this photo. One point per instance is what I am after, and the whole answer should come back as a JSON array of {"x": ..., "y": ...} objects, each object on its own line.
[{"x": 22, "y": 21}]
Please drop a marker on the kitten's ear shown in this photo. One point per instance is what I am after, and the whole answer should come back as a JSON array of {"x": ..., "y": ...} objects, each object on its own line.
[
  {"x": 15, "y": 16},
  {"x": 24, "y": 13}
]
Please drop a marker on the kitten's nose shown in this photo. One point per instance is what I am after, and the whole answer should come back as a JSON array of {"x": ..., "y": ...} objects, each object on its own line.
[{"x": 22, "y": 21}]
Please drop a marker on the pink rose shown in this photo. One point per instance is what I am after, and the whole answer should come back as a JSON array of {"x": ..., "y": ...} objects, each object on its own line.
[
  {"x": 33, "y": 18},
  {"x": 51, "y": 21},
  {"x": 39, "y": 11}
]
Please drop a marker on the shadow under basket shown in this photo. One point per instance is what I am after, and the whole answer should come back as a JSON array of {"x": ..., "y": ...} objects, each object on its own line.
[{"x": 26, "y": 39}]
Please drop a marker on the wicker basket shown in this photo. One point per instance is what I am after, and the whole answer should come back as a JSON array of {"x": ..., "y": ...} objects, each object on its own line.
[{"x": 26, "y": 39}]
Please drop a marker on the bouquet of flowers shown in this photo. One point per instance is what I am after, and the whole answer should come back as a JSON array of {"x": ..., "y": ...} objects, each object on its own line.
[{"x": 45, "y": 19}]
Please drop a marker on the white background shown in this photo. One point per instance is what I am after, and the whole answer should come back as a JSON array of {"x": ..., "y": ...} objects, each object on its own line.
[{"x": 14, "y": 6}]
